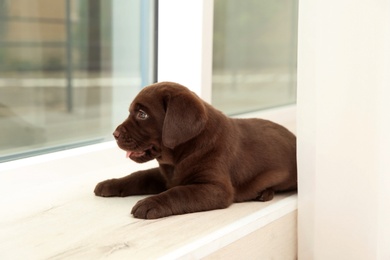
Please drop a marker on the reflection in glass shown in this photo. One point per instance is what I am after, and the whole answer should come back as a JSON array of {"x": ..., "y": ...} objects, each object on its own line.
[
  {"x": 254, "y": 54},
  {"x": 68, "y": 70}
]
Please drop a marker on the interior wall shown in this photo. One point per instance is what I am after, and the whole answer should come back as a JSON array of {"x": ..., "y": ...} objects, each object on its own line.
[{"x": 343, "y": 129}]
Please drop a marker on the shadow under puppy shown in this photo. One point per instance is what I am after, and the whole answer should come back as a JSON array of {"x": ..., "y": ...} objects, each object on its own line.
[{"x": 206, "y": 160}]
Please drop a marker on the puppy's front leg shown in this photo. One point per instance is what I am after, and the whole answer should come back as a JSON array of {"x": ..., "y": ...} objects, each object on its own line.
[
  {"x": 184, "y": 199},
  {"x": 139, "y": 183}
]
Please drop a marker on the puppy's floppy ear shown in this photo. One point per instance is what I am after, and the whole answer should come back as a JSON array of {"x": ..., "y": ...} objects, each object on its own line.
[{"x": 185, "y": 118}]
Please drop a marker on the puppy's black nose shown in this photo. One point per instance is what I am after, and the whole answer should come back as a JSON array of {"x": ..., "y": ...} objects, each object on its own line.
[{"x": 116, "y": 134}]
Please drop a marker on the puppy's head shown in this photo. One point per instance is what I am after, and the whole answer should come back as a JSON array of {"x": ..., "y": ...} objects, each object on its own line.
[{"x": 164, "y": 114}]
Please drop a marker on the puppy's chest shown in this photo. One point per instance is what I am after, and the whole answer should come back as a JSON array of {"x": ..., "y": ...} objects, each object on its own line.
[
  {"x": 166, "y": 157},
  {"x": 172, "y": 175},
  {"x": 168, "y": 171}
]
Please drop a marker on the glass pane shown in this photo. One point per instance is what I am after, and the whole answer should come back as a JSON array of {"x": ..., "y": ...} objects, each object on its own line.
[
  {"x": 254, "y": 54},
  {"x": 69, "y": 69}
]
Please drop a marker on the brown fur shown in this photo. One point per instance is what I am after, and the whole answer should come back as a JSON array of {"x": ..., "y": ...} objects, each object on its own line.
[{"x": 206, "y": 160}]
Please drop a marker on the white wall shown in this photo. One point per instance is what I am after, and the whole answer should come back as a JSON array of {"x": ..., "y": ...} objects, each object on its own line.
[{"x": 343, "y": 127}]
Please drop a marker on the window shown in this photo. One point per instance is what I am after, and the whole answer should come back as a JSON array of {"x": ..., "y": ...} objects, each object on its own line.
[
  {"x": 254, "y": 54},
  {"x": 68, "y": 68}
]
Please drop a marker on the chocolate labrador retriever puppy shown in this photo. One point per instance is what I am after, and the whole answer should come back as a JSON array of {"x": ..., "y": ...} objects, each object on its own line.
[{"x": 206, "y": 160}]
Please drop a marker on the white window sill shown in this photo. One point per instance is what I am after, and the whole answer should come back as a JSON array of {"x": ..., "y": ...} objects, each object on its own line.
[{"x": 49, "y": 211}]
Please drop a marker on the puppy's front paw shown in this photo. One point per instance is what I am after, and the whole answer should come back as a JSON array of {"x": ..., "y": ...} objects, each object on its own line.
[
  {"x": 109, "y": 188},
  {"x": 150, "y": 208}
]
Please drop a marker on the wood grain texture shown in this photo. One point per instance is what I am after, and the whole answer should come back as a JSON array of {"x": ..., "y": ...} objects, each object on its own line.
[{"x": 49, "y": 211}]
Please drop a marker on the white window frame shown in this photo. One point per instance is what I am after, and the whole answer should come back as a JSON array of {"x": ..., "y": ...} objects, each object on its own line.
[{"x": 185, "y": 41}]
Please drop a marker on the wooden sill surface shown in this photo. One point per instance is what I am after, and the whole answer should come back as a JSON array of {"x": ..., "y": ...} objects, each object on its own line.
[{"x": 49, "y": 211}]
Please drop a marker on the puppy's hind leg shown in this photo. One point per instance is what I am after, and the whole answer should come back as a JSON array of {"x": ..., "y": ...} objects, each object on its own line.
[
  {"x": 266, "y": 195},
  {"x": 261, "y": 187}
]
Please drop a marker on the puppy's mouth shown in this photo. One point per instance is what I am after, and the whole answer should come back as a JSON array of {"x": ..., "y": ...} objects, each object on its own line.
[
  {"x": 130, "y": 154},
  {"x": 136, "y": 150},
  {"x": 137, "y": 154},
  {"x": 144, "y": 155}
]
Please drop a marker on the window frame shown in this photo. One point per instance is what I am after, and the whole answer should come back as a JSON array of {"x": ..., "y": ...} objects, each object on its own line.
[{"x": 184, "y": 57}]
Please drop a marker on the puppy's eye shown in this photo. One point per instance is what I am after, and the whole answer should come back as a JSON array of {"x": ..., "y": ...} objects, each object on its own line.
[{"x": 142, "y": 115}]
